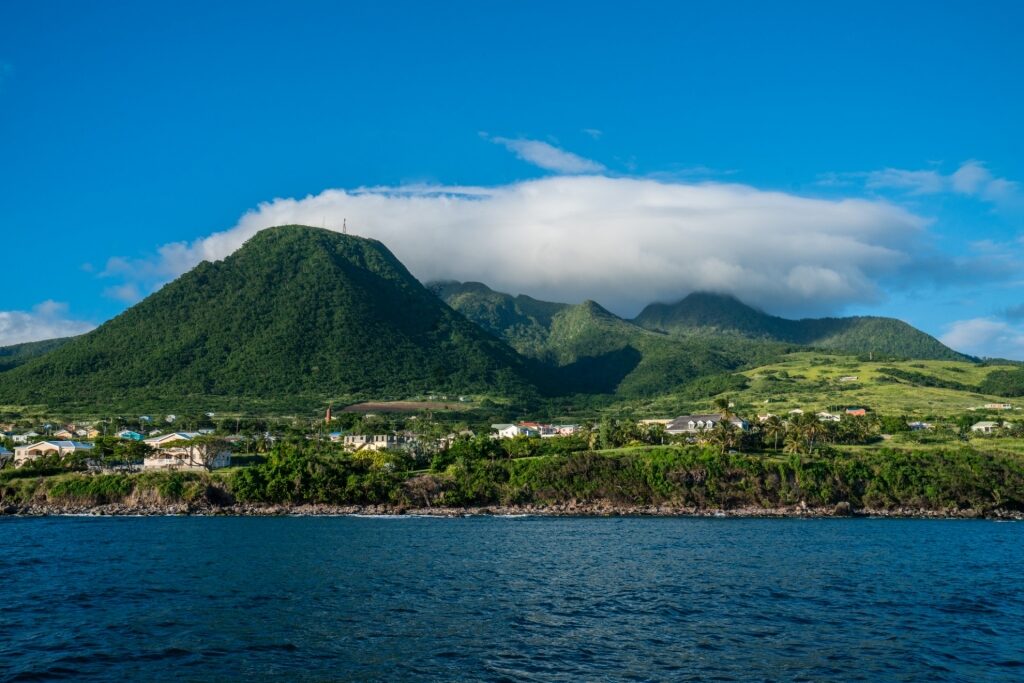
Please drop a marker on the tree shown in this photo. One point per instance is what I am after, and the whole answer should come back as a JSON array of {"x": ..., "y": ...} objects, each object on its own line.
[
  {"x": 774, "y": 428},
  {"x": 725, "y": 435},
  {"x": 201, "y": 451},
  {"x": 724, "y": 406}
]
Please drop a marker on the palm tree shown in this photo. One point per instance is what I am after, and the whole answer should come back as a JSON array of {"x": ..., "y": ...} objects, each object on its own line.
[
  {"x": 773, "y": 428},
  {"x": 724, "y": 406},
  {"x": 724, "y": 435}
]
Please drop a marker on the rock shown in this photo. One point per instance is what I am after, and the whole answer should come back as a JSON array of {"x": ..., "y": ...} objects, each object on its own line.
[{"x": 842, "y": 509}]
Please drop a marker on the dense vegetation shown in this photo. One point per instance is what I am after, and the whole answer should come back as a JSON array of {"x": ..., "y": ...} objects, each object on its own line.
[
  {"x": 589, "y": 350},
  {"x": 1004, "y": 383},
  {"x": 705, "y": 314},
  {"x": 683, "y": 476},
  {"x": 19, "y": 354},
  {"x": 298, "y": 312}
]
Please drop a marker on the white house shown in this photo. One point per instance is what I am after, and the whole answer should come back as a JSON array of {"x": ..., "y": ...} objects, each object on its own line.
[
  {"x": 825, "y": 416},
  {"x": 998, "y": 406},
  {"x": 24, "y": 438},
  {"x": 23, "y": 454},
  {"x": 987, "y": 427},
  {"x": 181, "y": 457},
  {"x": 375, "y": 442},
  {"x": 692, "y": 424},
  {"x": 511, "y": 431}
]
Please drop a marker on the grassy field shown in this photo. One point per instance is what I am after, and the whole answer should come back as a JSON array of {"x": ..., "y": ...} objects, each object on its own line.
[{"x": 817, "y": 381}]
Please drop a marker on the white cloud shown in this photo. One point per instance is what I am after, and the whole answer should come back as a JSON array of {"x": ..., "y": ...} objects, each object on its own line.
[
  {"x": 548, "y": 156},
  {"x": 624, "y": 242},
  {"x": 987, "y": 337},
  {"x": 971, "y": 179},
  {"x": 128, "y": 292},
  {"x": 593, "y": 132},
  {"x": 46, "y": 320}
]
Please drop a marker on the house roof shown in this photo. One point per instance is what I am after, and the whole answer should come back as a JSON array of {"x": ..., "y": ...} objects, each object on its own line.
[{"x": 65, "y": 445}]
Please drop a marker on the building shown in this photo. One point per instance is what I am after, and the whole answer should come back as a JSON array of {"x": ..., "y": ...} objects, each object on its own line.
[
  {"x": 162, "y": 440},
  {"x": 64, "y": 435},
  {"x": 828, "y": 417},
  {"x": 24, "y": 438},
  {"x": 848, "y": 378},
  {"x": 129, "y": 435},
  {"x": 42, "y": 449},
  {"x": 857, "y": 412},
  {"x": 998, "y": 406},
  {"x": 172, "y": 452},
  {"x": 918, "y": 426},
  {"x": 375, "y": 442},
  {"x": 987, "y": 427},
  {"x": 693, "y": 424},
  {"x": 511, "y": 431}
]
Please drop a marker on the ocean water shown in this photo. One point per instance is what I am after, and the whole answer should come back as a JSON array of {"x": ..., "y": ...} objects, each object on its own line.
[{"x": 510, "y": 599}]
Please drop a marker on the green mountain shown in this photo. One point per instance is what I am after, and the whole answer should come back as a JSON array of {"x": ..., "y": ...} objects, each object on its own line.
[
  {"x": 588, "y": 349},
  {"x": 298, "y": 314},
  {"x": 704, "y": 314},
  {"x": 19, "y": 354}
]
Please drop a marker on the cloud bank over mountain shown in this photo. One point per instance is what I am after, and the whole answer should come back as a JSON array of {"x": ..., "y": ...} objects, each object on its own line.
[
  {"x": 46, "y": 320},
  {"x": 622, "y": 241}
]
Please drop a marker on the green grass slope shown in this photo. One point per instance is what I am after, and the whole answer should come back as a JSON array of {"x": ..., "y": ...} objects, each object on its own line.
[
  {"x": 716, "y": 314},
  {"x": 297, "y": 312}
]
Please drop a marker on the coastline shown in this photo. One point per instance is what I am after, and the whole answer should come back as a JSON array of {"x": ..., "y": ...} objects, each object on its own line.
[{"x": 598, "y": 509}]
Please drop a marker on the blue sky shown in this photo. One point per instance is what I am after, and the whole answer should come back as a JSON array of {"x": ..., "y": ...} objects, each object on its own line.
[{"x": 814, "y": 158}]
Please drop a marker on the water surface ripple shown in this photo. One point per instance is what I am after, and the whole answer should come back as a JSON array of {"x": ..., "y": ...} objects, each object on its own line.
[{"x": 510, "y": 599}]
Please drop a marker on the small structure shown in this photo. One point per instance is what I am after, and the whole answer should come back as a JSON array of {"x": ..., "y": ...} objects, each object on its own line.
[
  {"x": 42, "y": 449},
  {"x": 848, "y": 378},
  {"x": 796, "y": 411},
  {"x": 998, "y": 406},
  {"x": 375, "y": 442},
  {"x": 170, "y": 453},
  {"x": 511, "y": 431},
  {"x": 825, "y": 416},
  {"x": 987, "y": 427},
  {"x": 918, "y": 426},
  {"x": 693, "y": 424},
  {"x": 64, "y": 434},
  {"x": 24, "y": 438},
  {"x": 857, "y": 412},
  {"x": 129, "y": 435}
]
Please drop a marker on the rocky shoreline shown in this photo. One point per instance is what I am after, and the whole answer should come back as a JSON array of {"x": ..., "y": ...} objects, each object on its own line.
[{"x": 572, "y": 509}]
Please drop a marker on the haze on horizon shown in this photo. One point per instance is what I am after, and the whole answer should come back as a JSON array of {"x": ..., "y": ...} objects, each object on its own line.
[{"x": 808, "y": 161}]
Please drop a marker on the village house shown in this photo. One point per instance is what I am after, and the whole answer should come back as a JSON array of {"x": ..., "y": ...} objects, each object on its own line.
[
  {"x": 857, "y": 412},
  {"x": 918, "y": 426},
  {"x": 511, "y": 431},
  {"x": 693, "y": 424},
  {"x": 129, "y": 435},
  {"x": 24, "y": 438},
  {"x": 987, "y": 427},
  {"x": 42, "y": 449},
  {"x": 64, "y": 434},
  {"x": 825, "y": 416},
  {"x": 998, "y": 406},
  {"x": 375, "y": 442},
  {"x": 170, "y": 453}
]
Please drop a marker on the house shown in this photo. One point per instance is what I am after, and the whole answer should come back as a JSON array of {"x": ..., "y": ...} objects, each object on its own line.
[
  {"x": 179, "y": 458},
  {"x": 24, "y": 438},
  {"x": 796, "y": 411},
  {"x": 848, "y": 378},
  {"x": 511, "y": 431},
  {"x": 170, "y": 454},
  {"x": 693, "y": 424},
  {"x": 825, "y": 416},
  {"x": 64, "y": 434},
  {"x": 918, "y": 426},
  {"x": 765, "y": 417},
  {"x": 857, "y": 412},
  {"x": 92, "y": 433},
  {"x": 129, "y": 435},
  {"x": 664, "y": 422},
  {"x": 164, "y": 439},
  {"x": 998, "y": 406},
  {"x": 375, "y": 442},
  {"x": 41, "y": 449},
  {"x": 335, "y": 436},
  {"x": 565, "y": 430},
  {"x": 987, "y": 427}
]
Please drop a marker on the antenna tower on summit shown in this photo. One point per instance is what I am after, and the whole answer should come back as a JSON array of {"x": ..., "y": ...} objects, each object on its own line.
[{"x": 344, "y": 226}]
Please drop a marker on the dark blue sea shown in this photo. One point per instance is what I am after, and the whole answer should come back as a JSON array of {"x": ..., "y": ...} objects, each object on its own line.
[{"x": 510, "y": 599}]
